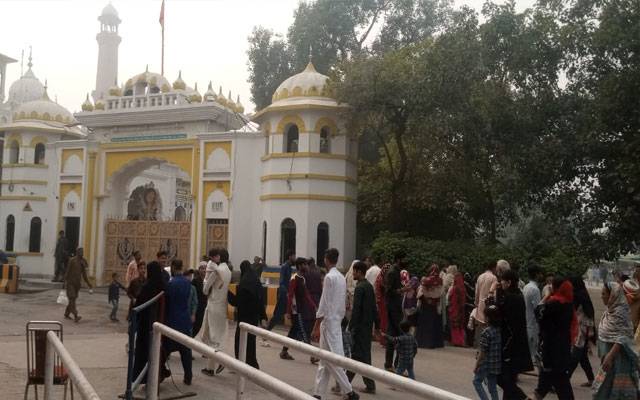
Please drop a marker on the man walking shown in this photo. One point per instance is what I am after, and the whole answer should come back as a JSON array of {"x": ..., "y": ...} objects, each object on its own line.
[
  {"x": 364, "y": 317},
  {"x": 532, "y": 298},
  {"x": 301, "y": 309},
  {"x": 76, "y": 271},
  {"x": 328, "y": 329},
  {"x": 283, "y": 290},
  {"x": 61, "y": 257},
  {"x": 485, "y": 282},
  {"x": 179, "y": 317}
]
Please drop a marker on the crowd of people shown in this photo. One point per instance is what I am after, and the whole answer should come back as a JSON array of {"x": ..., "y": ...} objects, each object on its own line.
[{"x": 546, "y": 326}]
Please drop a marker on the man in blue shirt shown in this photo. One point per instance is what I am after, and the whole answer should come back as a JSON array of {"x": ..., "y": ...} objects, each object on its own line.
[
  {"x": 178, "y": 317},
  {"x": 283, "y": 289}
]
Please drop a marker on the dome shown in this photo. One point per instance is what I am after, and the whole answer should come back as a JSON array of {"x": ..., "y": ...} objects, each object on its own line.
[
  {"x": 27, "y": 88},
  {"x": 179, "y": 84},
  {"x": 151, "y": 80},
  {"x": 194, "y": 96},
  {"x": 87, "y": 106},
  {"x": 305, "y": 84},
  {"x": 210, "y": 95},
  {"x": 239, "y": 106},
  {"x": 43, "y": 110},
  {"x": 109, "y": 15}
]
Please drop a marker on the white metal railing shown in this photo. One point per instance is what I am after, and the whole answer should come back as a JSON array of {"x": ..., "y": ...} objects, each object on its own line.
[
  {"x": 243, "y": 370},
  {"x": 54, "y": 345},
  {"x": 420, "y": 389}
]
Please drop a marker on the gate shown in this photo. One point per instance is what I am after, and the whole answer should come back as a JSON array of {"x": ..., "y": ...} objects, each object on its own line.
[{"x": 123, "y": 237}]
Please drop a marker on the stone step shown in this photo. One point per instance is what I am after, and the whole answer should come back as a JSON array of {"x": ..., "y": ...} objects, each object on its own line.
[{"x": 39, "y": 283}]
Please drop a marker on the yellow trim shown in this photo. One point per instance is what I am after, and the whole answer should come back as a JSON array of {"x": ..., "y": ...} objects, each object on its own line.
[
  {"x": 211, "y": 186},
  {"x": 13, "y": 137},
  {"x": 67, "y": 153},
  {"x": 25, "y": 165},
  {"x": 290, "y": 119},
  {"x": 294, "y": 196},
  {"x": 23, "y": 182},
  {"x": 38, "y": 139},
  {"x": 88, "y": 212},
  {"x": 328, "y": 122},
  {"x": 180, "y": 157},
  {"x": 319, "y": 177},
  {"x": 266, "y": 128},
  {"x": 32, "y": 198},
  {"x": 296, "y": 107},
  {"x": 149, "y": 143},
  {"x": 27, "y": 253},
  {"x": 308, "y": 155},
  {"x": 209, "y": 148}
]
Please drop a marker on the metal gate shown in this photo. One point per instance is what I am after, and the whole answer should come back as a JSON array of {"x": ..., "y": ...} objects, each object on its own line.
[{"x": 123, "y": 237}]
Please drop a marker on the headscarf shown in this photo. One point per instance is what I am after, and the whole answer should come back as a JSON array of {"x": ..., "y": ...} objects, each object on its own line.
[
  {"x": 564, "y": 295},
  {"x": 433, "y": 278},
  {"x": 456, "y": 301},
  {"x": 153, "y": 285},
  {"x": 379, "y": 286},
  {"x": 581, "y": 298},
  {"x": 351, "y": 288},
  {"x": 615, "y": 325},
  {"x": 404, "y": 277},
  {"x": 249, "y": 280}
]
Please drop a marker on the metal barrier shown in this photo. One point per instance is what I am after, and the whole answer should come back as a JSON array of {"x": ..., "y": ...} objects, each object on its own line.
[
  {"x": 243, "y": 370},
  {"x": 54, "y": 345},
  {"x": 397, "y": 381},
  {"x": 132, "y": 383}
]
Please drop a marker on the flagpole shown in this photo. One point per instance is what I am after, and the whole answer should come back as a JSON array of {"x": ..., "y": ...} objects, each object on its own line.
[{"x": 162, "y": 25}]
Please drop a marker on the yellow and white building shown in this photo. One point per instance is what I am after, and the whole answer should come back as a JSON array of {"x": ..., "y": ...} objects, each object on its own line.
[{"x": 153, "y": 164}]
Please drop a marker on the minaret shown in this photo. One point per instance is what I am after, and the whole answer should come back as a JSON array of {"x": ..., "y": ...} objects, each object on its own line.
[{"x": 108, "y": 41}]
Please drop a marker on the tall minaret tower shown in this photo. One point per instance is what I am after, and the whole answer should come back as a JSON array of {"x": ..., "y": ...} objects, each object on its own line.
[{"x": 108, "y": 41}]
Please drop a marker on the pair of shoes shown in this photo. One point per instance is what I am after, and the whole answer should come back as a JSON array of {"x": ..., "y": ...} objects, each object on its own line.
[
  {"x": 208, "y": 372},
  {"x": 314, "y": 360},
  {"x": 352, "y": 396},
  {"x": 285, "y": 355},
  {"x": 187, "y": 381},
  {"x": 220, "y": 369},
  {"x": 77, "y": 318}
]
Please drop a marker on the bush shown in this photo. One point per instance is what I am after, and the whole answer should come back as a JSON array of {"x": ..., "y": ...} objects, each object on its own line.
[{"x": 470, "y": 256}]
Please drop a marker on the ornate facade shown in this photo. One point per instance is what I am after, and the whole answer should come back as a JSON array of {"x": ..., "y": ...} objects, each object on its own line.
[{"x": 151, "y": 165}]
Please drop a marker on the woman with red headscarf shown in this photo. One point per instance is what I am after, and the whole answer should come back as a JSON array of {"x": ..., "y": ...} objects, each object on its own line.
[
  {"x": 382, "y": 307},
  {"x": 429, "y": 333},
  {"x": 456, "y": 299}
]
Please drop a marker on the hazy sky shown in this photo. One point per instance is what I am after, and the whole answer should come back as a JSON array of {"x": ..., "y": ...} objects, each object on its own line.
[{"x": 206, "y": 39}]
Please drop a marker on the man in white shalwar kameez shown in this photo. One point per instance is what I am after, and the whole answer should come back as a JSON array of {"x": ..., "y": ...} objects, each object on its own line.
[{"x": 328, "y": 328}]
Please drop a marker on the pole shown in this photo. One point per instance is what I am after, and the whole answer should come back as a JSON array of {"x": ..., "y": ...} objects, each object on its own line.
[
  {"x": 133, "y": 327},
  {"x": 48, "y": 371},
  {"x": 162, "y": 61},
  {"x": 154, "y": 365},
  {"x": 242, "y": 355}
]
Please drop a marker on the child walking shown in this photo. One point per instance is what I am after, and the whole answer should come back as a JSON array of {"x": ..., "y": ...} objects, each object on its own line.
[
  {"x": 488, "y": 361},
  {"x": 114, "y": 296},
  {"x": 407, "y": 348}
]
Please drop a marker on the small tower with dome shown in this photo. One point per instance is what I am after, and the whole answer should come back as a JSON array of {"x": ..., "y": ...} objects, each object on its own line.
[
  {"x": 108, "y": 42},
  {"x": 309, "y": 170}
]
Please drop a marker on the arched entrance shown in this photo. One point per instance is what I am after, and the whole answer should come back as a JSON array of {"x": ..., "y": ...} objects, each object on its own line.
[{"x": 148, "y": 209}]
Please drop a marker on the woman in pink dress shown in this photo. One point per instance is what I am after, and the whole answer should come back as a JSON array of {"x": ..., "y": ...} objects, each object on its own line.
[{"x": 456, "y": 299}]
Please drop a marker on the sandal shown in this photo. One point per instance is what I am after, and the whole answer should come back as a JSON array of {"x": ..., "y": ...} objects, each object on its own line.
[{"x": 208, "y": 372}]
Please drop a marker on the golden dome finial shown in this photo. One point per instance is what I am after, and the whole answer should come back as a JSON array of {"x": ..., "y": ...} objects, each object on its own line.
[
  {"x": 179, "y": 83},
  {"x": 87, "y": 106}
]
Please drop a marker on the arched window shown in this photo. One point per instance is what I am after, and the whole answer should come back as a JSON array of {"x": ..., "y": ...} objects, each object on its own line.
[
  {"x": 322, "y": 242},
  {"x": 325, "y": 140},
  {"x": 264, "y": 241},
  {"x": 180, "y": 214},
  {"x": 11, "y": 233},
  {"x": 35, "y": 234},
  {"x": 14, "y": 152},
  {"x": 38, "y": 155},
  {"x": 287, "y": 237},
  {"x": 291, "y": 138}
]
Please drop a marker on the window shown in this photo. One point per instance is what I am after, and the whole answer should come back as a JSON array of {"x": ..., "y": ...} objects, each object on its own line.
[
  {"x": 322, "y": 242},
  {"x": 38, "y": 156},
  {"x": 11, "y": 233},
  {"x": 325, "y": 140},
  {"x": 287, "y": 237},
  {"x": 291, "y": 138},
  {"x": 35, "y": 234},
  {"x": 14, "y": 152},
  {"x": 264, "y": 242}
]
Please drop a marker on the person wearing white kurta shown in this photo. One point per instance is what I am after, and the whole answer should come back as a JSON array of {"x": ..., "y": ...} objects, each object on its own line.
[
  {"x": 214, "y": 327},
  {"x": 328, "y": 329}
]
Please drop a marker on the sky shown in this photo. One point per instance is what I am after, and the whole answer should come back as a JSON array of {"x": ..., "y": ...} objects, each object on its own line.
[{"x": 205, "y": 39}]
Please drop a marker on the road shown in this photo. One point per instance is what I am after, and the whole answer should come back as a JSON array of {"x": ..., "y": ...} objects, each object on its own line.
[{"x": 98, "y": 346}]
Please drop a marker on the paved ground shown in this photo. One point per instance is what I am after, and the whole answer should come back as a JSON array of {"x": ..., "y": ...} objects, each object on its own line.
[{"x": 98, "y": 346}]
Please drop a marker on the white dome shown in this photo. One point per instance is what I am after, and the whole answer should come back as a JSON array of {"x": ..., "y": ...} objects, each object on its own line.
[
  {"x": 308, "y": 83},
  {"x": 110, "y": 10},
  {"x": 109, "y": 15},
  {"x": 155, "y": 82},
  {"x": 27, "y": 88},
  {"x": 43, "y": 110}
]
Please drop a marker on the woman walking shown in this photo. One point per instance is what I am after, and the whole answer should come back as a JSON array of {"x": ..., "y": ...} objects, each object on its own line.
[
  {"x": 429, "y": 333},
  {"x": 456, "y": 299},
  {"x": 515, "y": 347},
  {"x": 618, "y": 376},
  {"x": 382, "y": 307},
  {"x": 249, "y": 301},
  {"x": 586, "y": 330}
]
